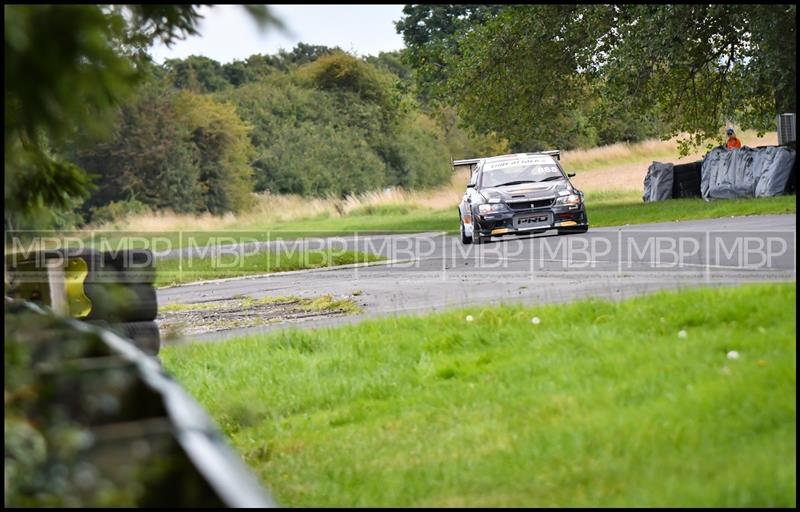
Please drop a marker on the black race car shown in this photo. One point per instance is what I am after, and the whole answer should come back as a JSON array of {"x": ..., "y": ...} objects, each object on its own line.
[{"x": 519, "y": 194}]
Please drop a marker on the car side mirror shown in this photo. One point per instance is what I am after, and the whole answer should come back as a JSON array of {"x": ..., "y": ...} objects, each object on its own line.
[
  {"x": 470, "y": 185},
  {"x": 570, "y": 174}
]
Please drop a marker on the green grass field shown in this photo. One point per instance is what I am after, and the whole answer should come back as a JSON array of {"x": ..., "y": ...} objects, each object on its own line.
[
  {"x": 601, "y": 404},
  {"x": 185, "y": 270}
]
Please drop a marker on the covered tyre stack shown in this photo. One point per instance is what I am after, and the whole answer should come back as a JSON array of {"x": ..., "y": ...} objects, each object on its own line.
[
  {"x": 747, "y": 172},
  {"x": 686, "y": 180},
  {"x": 658, "y": 182},
  {"x": 109, "y": 289}
]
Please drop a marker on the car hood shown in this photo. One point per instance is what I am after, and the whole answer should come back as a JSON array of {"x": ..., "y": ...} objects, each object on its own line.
[{"x": 525, "y": 191}]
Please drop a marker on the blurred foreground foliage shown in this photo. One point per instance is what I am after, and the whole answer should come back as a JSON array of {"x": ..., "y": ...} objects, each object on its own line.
[{"x": 81, "y": 427}]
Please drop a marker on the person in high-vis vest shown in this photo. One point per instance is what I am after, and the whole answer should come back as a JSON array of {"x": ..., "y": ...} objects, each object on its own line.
[{"x": 733, "y": 142}]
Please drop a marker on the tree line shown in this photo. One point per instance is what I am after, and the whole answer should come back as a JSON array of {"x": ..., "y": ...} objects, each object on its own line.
[
  {"x": 199, "y": 136},
  {"x": 581, "y": 75}
]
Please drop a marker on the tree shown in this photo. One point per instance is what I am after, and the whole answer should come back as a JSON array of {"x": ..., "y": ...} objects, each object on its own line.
[
  {"x": 222, "y": 141},
  {"x": 303, "y": 53},
  {"x": 522, "y": 74},
  {"x": 701, "y": 66},
  {"x": 196, "y": 73},
  {"x": 66, "y": 67},
  {"x": 432, "y": 34},
  {"x": 535, "y": 72},
  {"x": 392, "y": 62},
  {"x": 150, "y": 156}
]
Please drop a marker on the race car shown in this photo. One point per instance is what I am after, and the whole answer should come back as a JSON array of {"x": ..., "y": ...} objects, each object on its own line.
[{"x": 519, "y": 194}]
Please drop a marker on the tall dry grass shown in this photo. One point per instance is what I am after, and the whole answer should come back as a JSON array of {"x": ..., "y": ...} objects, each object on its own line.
[
  {"x": 622, "y": 152},
  {"x": 617, "y": 166},
  {"x": 276, "y": 208}
]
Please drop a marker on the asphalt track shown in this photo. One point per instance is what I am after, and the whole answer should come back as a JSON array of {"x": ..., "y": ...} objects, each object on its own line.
[{"x": 427, "y": 272}]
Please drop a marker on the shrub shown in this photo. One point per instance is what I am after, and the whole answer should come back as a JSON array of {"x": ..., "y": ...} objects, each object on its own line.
[{"x": 117, "y": 210}]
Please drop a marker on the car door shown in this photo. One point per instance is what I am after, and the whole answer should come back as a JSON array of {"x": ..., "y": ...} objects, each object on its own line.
[{"x": 470, "y": 196}]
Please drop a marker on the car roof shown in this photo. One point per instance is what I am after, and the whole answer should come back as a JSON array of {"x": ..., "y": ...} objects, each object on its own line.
[{"x": 516, "y": 156}]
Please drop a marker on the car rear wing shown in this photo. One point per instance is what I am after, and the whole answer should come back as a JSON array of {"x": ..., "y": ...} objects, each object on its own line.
[{"x": 471, "y": 163}]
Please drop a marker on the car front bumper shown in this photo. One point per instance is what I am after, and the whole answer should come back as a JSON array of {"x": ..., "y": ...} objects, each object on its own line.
[{"x": 509, "y": 222}]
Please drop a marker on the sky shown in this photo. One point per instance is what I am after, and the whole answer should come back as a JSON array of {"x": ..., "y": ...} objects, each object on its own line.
[{"x": 227, "y": 32}]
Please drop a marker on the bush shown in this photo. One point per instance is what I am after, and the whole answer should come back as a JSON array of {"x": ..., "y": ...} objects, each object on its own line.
[
  {"x": 317, "y": 160},
  {"x": 117, "y": 210}
]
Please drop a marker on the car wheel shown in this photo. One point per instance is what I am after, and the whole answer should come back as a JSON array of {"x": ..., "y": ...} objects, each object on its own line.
[{"x": 466, "y": 240}]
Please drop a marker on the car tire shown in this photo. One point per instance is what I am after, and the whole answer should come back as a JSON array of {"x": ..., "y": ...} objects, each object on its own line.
[{"x": 466, "y": 240}]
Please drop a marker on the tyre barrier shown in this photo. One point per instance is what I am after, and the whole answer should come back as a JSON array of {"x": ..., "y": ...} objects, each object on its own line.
[
  {"x": 109, "y": 288},
  {"x": 143, "y": 440},
  {"x": 686, "y": 180}
]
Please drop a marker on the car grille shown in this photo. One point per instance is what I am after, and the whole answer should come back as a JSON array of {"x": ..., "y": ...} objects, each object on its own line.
[{"x": 527, "y": 205}]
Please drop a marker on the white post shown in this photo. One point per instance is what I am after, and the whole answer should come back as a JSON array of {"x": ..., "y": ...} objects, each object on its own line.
[{"x": 58, "y": 289}]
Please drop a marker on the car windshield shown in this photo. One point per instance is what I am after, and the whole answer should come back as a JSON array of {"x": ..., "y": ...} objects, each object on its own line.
[{"x": 514, "y": 172}]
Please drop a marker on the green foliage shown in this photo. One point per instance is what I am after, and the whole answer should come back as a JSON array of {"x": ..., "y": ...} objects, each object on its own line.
[
  {"x": 392, "y": 62},
  {"x": 415, "y": 155},
  {"x": 342, "y": 72},
  {"x": 174, "y": 150},
  {"x": 339, "y": 128},
  {"x": 702, "y": 66},
  {"x": 431, "y": 34},
  {"x": 569, "y": 76},
  {"x": 196, "y": 73},
  {"x": 66, "y": 66},
  {"x": 63, "y": 70},
  {"x": 150, "y": 156},
  {"x": 542, "y": 103},
  {"x": 319, "y": 159},
  {"x": 117, "y": 210},
  {"x": 224, "y": 152}
]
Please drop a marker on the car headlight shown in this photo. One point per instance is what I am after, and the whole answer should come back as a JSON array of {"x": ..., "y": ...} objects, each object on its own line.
[
  {"x": 491, "y": 207},
  {"x": 571, "y": 200}
]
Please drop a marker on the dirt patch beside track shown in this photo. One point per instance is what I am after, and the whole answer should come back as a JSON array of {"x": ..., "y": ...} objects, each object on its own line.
[{"x": 240, "y": 312}]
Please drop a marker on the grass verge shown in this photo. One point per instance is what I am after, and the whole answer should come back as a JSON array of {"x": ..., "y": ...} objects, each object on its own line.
[
  {"x": 600, "y": 404},
  {"x": 177, "y": 271},
  {"x": 605, "y": 208},
  {"x": 621, "y": 210}
]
